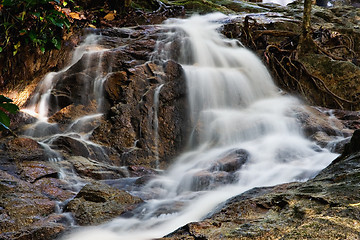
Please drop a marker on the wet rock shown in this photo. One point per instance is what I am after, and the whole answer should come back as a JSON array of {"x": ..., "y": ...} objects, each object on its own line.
[
  {"x": 353, "y": 146},
  {"x": 139, "y": 171},
  {"x": 97, "y": 203},
  {"x": 19, "y": 120},
  {"x": 70, "y": 113},
  {"x": 23, "y": 149},
  {"x": 75, "y": 88},
  {"x": 94, "y": 170},
  {"x": 54, "y": 188},
  {"x": 332, "y": 72},
  {"x": 231, "y": 162},
  {"x": 33, "y": 171},
  {"x": 130, "y": 127},
  {"x": 72, "y": 145},
  {"x": 324, "y": 127},
  {"x": 113, "y": 85},
  {"x": 26, "y": 213},
  {"x": 205, "y": 180}
]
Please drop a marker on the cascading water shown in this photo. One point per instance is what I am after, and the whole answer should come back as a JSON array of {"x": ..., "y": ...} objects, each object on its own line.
[
  {"x": 47, "y": 133},
  {"x": 238, "y": 116}
]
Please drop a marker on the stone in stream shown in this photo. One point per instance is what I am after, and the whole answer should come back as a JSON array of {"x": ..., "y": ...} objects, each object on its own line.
[
  {"x": 97, "y": 203},
  {"x": 92, "y": 169}
]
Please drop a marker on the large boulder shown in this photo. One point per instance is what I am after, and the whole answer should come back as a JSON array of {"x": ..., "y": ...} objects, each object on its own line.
[
  {"x": 131, "y": 124},
  {"x": 97, "y": 203}
]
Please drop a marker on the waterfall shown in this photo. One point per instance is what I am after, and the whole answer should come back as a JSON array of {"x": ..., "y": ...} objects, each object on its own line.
[
  {"x": 44, "y": 103},
  {"x": 245, "y": 134},
  {"x": 156, "y": 123}
]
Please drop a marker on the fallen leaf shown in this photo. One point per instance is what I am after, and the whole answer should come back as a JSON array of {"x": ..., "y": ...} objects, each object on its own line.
[
  {"x": 110, "y": 16},
  {"x": 75, "y": 15},
  {"x": 92, "y": 26}
]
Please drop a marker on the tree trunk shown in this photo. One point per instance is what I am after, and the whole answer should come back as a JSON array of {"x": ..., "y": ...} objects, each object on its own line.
[{"x": 306, "y": 43}]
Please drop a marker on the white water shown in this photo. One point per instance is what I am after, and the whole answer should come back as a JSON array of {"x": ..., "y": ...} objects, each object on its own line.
[
  {"x": 46, "y": 133},
  {"x": 234, "y": 105},
  {"x": 156, "y": 123}
]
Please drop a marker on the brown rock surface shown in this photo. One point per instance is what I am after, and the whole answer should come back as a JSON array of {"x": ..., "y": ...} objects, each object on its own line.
[
  {"x": 27, "y": 212},
  {"x": 97, "y": 203}
]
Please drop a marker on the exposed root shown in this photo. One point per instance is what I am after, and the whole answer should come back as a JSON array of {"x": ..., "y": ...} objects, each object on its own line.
[{"x": 291, "y": 74}]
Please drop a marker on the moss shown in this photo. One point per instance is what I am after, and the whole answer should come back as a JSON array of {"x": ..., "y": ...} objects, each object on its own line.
[
  {"x": 200, "y": 6},
  {"x": 224, "y": 6}
]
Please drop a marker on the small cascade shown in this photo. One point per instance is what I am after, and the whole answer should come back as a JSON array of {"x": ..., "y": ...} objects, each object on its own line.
[
  {"x": 245, "y": 134},
  {"x": 51, "y": 96},
  {"x": 156, "y": 123},
  {"x": 45, "y": 102}
]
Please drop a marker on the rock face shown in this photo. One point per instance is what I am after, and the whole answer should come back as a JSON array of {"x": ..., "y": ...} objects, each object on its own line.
[
  {"x": 130, "y": 127},
  {"x": 326, "y": 207}
]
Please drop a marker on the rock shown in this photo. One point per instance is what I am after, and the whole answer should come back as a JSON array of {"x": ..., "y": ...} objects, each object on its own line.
[
  {"x": 95, "y": 170},
  {"x": 113, "y": 85},
  {"x": 353, "y": 147},
  {"x": 221, "y": 172},
  {"x": 130, "y": 126},
  {"x": 232, "y": 162},
  {"x": 54, "y": 188},
  {"x": 225, "y": 6},
  {"x": 332, "y": 72},
  {"x": 22, "y": 149},
  {"x": 97, "y": 203},
  {"x": 72, "y": 145},
  {"x": 26, "y": 213},
  {"x": 139, "y": 171},
  {"x": 75, "y": 88},
  {"x": 205, "y": 180},
  {"x": 70, "y": 113},
  {"x": 33, "y": 171},
  {"x": 323, "y": 127}
]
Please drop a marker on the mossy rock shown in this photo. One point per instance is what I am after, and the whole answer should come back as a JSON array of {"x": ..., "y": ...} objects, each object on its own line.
[
  {"x": 200, "y": 6},
  {"x": 147, "y": 5},
  {"x": 241, "y": 6},
  {"x": 341, "y": 77},
  {"x": 224, "y": 6}
]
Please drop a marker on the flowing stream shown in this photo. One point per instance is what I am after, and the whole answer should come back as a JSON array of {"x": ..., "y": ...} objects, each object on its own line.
[{"x": 238, "y": 116}]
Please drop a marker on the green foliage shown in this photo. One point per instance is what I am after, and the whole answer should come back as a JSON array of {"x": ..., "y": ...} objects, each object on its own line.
[
  {"x": 6, "y": 107},
  {"x": 37, "y": 22}
]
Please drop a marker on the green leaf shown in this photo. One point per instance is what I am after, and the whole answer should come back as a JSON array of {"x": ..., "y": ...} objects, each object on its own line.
[
  {"x": 1, "y": 49},
  {"x": 10, "y": 107},
  {"x": 5, "y": 99},
  {"x": 4, "y": 118},
  {"x": 56, "y": 22},
  {"x": 42, "y": 49},
  {"x": 65, "y": 3}
]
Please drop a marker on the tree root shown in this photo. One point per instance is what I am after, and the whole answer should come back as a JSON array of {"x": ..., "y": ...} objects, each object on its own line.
[{"x": 285, "y": 65}]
